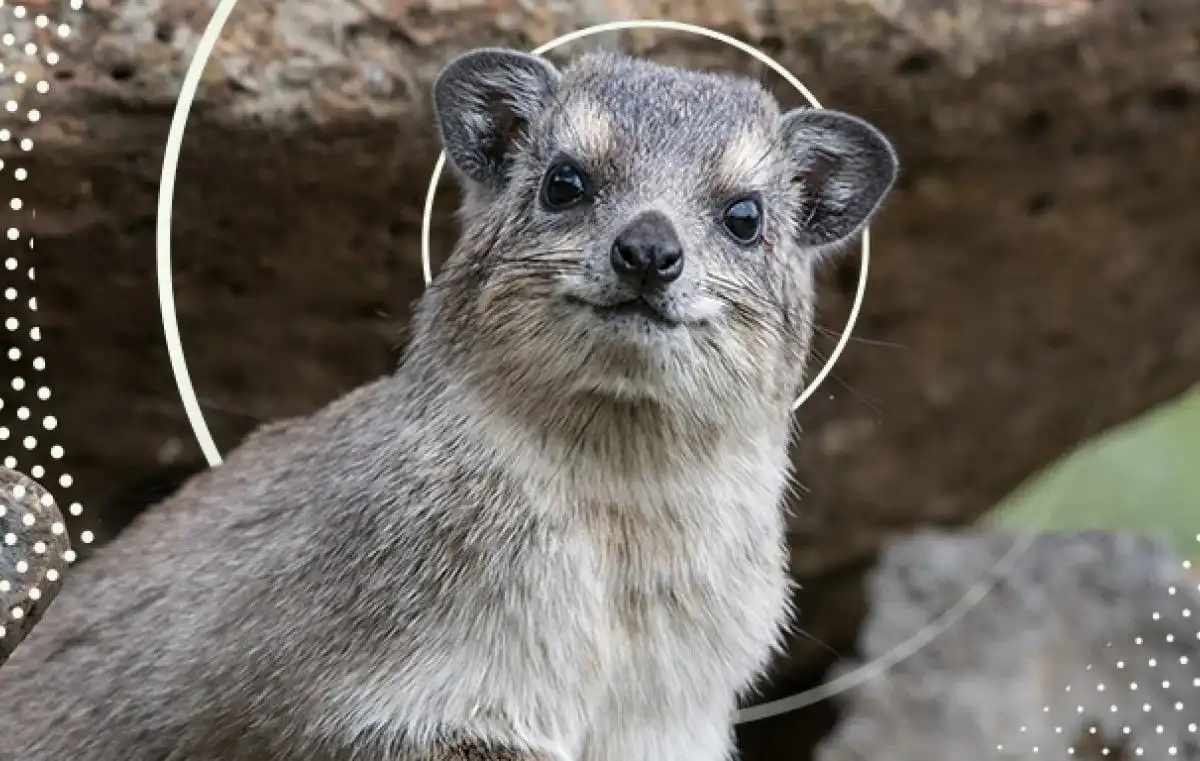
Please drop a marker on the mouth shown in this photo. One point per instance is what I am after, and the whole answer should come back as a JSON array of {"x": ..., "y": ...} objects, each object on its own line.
[{"x": 633, "y": 309}]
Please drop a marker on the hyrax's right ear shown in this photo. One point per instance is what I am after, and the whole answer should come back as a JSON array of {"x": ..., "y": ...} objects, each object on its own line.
[{"x": 484, "y": 100}]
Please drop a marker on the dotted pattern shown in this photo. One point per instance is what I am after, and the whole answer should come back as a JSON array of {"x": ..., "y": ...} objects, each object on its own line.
[
  {"x": 1133, "y": 697},
  {"x": 34, "y": 552},
  {"x": 26, "y": 57}
]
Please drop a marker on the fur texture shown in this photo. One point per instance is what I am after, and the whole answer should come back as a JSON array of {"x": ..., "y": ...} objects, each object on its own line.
[{"x": 555, "y": 532}]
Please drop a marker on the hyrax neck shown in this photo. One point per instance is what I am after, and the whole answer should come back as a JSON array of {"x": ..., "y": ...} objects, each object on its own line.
[{"x": 634, "y": 454}]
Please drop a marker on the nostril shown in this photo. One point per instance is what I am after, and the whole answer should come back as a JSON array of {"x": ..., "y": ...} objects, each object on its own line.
[
  {"x": 668, "y": 265},
  {"x": 627, "y": 260}
]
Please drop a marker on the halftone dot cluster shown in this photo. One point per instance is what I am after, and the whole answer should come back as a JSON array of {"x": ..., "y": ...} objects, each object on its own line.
[
  {"x": 26, "y": 544},
  {"x": 28, "y": 442},
  {"x": 1137, "y": 696}
]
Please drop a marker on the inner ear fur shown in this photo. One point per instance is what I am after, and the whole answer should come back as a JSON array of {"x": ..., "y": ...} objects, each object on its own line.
[
  {"x": 844, "y": 166},
  {"x": 484, "y": 101}
]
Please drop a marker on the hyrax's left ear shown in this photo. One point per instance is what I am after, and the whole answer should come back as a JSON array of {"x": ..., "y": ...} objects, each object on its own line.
[
  {"x": 484, "y": 100},
  {"x": 845, "y": 168}
]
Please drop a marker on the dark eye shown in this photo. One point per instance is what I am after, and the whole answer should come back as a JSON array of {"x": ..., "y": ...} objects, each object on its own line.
[
  {"x": 743, "y": 220},
  {"x": 563, "y": 187}
]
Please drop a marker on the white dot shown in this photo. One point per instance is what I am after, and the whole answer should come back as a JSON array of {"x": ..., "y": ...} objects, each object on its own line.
[
  {"x": 43, "y": 393},
  {"x": 38, "y": 471},
  {"x": 41, "y": 20},
  {"x": 18, "y": 383},
  {"x": 28, "y": 519},
  {"x": 43, "y": 87},
  {"x": 15, "y": 204},
  {"x": 4, "y": 433},
  {"x": 19, "y": 11},
  {"x": 46, "y": 500},
  {"x": 56, "y": 451},
  {"x": 11, "y": 106},
  {"x": 34, "y": 115},
  {"x": 18, "y": 491},
  {"x": 75, "y": 508},
  {"x": 20, "y": 174},
  {"x": 49, "y": 422},
  {"x": 57, "y": 528},
  {"x": 10, "y": 462},
  {"x": 22, "y": 566},
  {"x": 1145, "y": 707},
  {"x": 23, "y": 413},
  {"x": 18, "y": 614},
  {"x": 26, "y": 144},
  {"x": 5, "y": 586},
  {"x": 14, "y": 354},
  {"x": 86, "y": 537},
  {"x": 1152, "y": 662},
  {"x": 52, "y": 58},
  {"x": 30, "y": 48},
  {"x": 65, "y": 480},
  {"x": 35, "y": 594},
  {"x": 69, "y": 556},
  {"x": 12, "y": 323},
  {"x": 30, "y": 442},
  {"x": 52, "y": 575},
  {"x": 11, "y": 264},
  {"x": 63, "y": 30},
  {"x": 39, "y": 363}
]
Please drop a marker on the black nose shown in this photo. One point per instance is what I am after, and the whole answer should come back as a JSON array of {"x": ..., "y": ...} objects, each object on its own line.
[{"x": 647, "y": 251}]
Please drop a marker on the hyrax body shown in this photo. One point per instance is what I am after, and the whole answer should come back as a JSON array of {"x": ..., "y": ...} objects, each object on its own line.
[{"x": 555, "y": 533}]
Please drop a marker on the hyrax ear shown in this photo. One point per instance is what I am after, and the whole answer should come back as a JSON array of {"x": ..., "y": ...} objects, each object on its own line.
[
  {"x": 484, "y": 100},
  {"x": 845, "y": 168}
]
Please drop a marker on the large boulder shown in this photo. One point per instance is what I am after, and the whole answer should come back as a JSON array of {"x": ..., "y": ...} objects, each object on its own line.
[
  {"x": 1002, "y": 648},
  {"x": 1033, "y": 279}
]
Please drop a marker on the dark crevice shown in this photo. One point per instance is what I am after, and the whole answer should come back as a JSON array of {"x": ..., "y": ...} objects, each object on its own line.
[{"x": 920, "y": 62}]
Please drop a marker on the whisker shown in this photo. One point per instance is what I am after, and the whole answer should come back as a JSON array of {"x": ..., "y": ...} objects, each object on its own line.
[{"x": 835, "y": 334}]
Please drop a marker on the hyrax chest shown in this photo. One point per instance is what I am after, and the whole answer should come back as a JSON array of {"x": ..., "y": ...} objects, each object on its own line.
[{"x": 694, "y": 590}]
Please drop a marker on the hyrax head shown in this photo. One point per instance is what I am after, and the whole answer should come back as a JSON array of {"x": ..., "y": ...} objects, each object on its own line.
[{"x": 643, "y": 231}]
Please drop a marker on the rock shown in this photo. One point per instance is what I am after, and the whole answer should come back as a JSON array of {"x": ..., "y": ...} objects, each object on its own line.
[
  {"x": 34, "y": 553},
  {"x": 1087, "y": 646},
  {"x": 1032, "y": 281}
]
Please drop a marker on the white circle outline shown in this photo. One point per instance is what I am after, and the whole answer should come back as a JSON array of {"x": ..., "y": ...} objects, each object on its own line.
[
  {"x": 679, "y": 26},
  {"x": 175, "y": 353}
]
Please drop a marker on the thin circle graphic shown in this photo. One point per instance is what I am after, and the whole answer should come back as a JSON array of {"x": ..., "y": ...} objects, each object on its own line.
[
  {"x": 166, "y": 195},
  {"x": 175, "y": 353},
  {"x": 678, "y": 26}
]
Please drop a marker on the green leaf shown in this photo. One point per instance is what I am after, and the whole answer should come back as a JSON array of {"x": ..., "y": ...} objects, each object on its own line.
[{"x": 1141, "y": 477}]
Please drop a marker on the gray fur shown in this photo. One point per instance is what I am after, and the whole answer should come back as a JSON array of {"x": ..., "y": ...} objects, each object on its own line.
[{"x": 552, "y": 533}]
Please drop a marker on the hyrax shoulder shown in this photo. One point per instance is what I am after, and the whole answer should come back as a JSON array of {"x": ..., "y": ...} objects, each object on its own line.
[{"x": 555, "y": 532}]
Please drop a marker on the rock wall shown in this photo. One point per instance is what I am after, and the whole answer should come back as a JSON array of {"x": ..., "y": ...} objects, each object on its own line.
[{"x": 1034, "y": 278}]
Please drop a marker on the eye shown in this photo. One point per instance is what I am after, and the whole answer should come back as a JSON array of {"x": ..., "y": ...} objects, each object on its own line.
[
  {"x": 563, "y": 187},
  {"x": 743, "y": 220}
]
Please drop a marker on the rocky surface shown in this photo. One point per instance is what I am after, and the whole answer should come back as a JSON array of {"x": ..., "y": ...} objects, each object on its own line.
[
  {"x": 34, "y": 552},
  {"x": 1033, "y": 279},
  {"x": 1067, "y": 646}
]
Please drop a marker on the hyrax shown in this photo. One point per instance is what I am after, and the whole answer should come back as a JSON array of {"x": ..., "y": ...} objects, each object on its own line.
[{"x": 555, "y": 533}]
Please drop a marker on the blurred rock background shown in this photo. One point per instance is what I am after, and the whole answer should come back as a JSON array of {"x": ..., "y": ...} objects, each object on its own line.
[{"x": 1035, "y": 279}]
